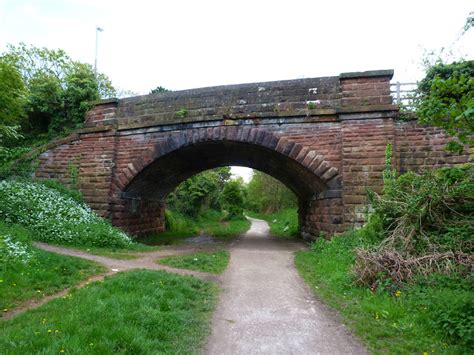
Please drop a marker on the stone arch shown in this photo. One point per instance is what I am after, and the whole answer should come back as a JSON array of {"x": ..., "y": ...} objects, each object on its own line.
[
  {"x": 322, "y": 171},
  {"x": 142, "y": 183}
]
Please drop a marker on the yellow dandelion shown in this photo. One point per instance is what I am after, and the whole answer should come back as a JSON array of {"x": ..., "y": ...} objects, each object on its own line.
[{"x": 398, "y": 293}]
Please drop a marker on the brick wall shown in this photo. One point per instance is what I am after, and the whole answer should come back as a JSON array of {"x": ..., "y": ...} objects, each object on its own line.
[
  {"x": 418, "y": 148},
  {"x": 325, "y": 138}
]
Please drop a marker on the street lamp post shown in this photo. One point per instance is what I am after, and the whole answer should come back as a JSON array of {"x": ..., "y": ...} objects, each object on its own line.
[{"x": 97, "y": 30}]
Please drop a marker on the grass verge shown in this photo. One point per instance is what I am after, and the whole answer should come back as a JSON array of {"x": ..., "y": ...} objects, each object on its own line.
[
  {"x": 45, "y": 273},
  {"x": 213, "y": 262},
  {"x": 283, "y": 223},
  {"x": 139, "y": 312},
  {"x": 128, "y": 253},
  {"x": 399, "y": 322}
]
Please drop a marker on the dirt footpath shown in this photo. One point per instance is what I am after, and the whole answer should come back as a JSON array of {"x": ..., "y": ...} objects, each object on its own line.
[{"x": 266, "y": 308}]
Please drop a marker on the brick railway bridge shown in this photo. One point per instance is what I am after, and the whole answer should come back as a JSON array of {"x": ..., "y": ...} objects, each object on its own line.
[{"x": 324, "y": 138}]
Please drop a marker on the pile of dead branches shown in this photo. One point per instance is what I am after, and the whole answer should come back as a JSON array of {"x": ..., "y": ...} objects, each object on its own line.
[{"x": 370, "y": 266}]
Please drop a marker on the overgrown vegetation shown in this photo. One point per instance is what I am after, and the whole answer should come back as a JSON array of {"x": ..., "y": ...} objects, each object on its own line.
[
  {"x": 213, "y": 262},
  {"x": 27, "y": 272},
  {"x": 431, "y": 314},
  {"x": 139, "y": 312},
  {"x": 55, "y": 217},
  {"x": 427, "y": 224}
]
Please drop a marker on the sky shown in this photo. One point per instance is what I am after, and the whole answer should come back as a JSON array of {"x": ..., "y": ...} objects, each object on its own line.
[{"x": 188, "y": 44}]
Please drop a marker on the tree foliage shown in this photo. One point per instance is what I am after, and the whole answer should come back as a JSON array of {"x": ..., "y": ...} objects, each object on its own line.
[
  {"x": 56, "y": 88},
  {"x": 268, "y": 195},
  {"x": 12, "y": 93},
  {"x": 199, "y": 192},
  {"x": 445, "y": 99},
  {"x": 233, "y": 198}
]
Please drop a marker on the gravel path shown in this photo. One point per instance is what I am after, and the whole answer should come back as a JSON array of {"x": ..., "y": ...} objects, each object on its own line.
[
  {"x": 145, "y": 261},
  {"x": 266, "y": 308}
]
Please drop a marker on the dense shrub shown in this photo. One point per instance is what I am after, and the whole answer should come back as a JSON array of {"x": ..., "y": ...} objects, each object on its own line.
[
  {"x": 427, "y": 213},
  {"x": 54, "y": 217},
  {"x": 426, "y": 224}
]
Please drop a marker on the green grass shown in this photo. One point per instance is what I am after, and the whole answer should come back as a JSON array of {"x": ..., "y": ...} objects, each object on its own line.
[
  {"x": 45, "y": 274},
  {"x": 210, "y": 223},
  {"x": 138, "y": 312},
  {"x": 213, "y": 262},
  {"x": 283, "y": 223},
  {"x": 127, "y": 253},
  {"x": 385, "y": 322}
]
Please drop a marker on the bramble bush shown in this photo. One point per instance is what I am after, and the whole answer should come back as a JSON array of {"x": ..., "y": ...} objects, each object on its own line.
[{"x": 55, "y": 217}]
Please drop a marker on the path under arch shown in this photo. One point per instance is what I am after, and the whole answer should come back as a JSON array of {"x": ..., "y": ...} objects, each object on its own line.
[{"x": 266, "y": 308}]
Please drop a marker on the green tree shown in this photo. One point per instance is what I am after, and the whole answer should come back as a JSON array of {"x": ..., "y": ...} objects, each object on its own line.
[
  {"x": 268, "y": 195},
  {"x": 12, "y": 93},
  {"x": 57, "y": 88},
  {"x": 199, "y": 192},
  {"x": 445, "y": 99},
  {"x": 81, "y": 87},
  {"x": 233, "y": 199}
]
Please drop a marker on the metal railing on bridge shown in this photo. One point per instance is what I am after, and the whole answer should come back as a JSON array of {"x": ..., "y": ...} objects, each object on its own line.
[{"x": 403, "y": 94}]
